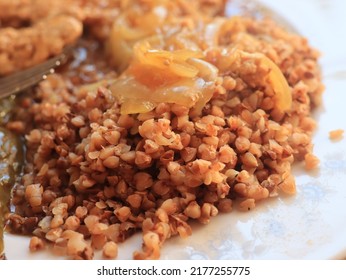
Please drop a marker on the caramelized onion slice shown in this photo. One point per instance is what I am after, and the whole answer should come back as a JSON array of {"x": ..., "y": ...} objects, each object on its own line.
[
  {"x": 283, "y": 96},
  {"x": 161, "y": 76},
  {"x": 135, "y": 97},
  {"x": 267, "y": 75}
]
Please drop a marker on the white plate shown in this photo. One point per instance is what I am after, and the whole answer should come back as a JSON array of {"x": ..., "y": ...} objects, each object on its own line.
[{"x": 310, "y": 225}]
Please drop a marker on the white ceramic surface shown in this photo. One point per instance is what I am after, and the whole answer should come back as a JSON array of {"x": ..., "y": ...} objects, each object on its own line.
[{"x": 310, "y": 225}]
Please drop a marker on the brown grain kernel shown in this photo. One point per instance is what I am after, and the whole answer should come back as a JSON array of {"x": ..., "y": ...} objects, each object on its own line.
[
  {"x": 185, "y": 139},
  {"x": 129, "y": 157},
  {"x": 142, "y": 160},
  {"x": 207, "y": 211},
  {"x": 76, "y": 245},
  {"x": 126, "y": 121},
  {"x": 94, "y": 115},
  {"x": 229, "y": 83},
  {"x": 160, "y": 187},
  {"x": 48, "y": 196},
  {"x": 54, "y": 234},
  {"x": 173, "y": 167},
  {"x": 123, "y": 213},
  {"x": 243, "y": 176},
  {"x": 212, "y": 141},
  {"x": 62, "y": 131},
  {"x": 98, "y": 228},
  {"x": 336, "y": 134},
  {"x": 162, "y": 215},
  {"x": 36, "y": 244},
  {"x": 111, "y": 162},
  {"x": 57, "y": 221},
  {"x": 193, "y": 210},
  {"x": 86, "y": 182},
  {"x": 179, "y": 110},
  {"x": 70, "y": 200},
  {"x": 84, "y": 132},
  {"x": 78, "y": 121},
  {"x": 33, "y": 194},
  {"x": 188, "y": 154},
  {"x": 311, "y": 161},
  {"x": 106, "y": 152},
  {"x": 242, "y": 144},
  {"x": 288, "y": 185},
  {"x": 300, "y": 138},
  {"x": 167, "y": 157},
  {"x": 249, "y": 160},
  {"x": 247, "y": 204},
  {"x": 98, "y": 241},
  {"x": 81, "y": 212},
  {"x": 255, "y": 149},
  {"x": 72, "y": 223},
  {"x": 34, "y": 136},
  {"x": 112, "y": 137},
  {"x": 245, "y": 132},
  {"x": 150, "y": 146},
  {"x": 121, "y": 188},
  {"x": 110, "y": 250},
  {"x": 206, "y": 152},
  {"x": 90, "y": 221},
  {"x": 225, "y": 205},
  {"x": 60, "y": 209},
  {"x": 134, "y": 200},
  {"x": 142, "y": 181},
  {"x": 227, "y": 155},
  {"x": 44, "y": 224},
  {"x": 169, "y": 206},
  {"x": 113, "y": 232}
]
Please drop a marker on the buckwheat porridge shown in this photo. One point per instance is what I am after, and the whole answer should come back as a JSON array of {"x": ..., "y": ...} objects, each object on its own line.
[{"x": 168, "y": 111}]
